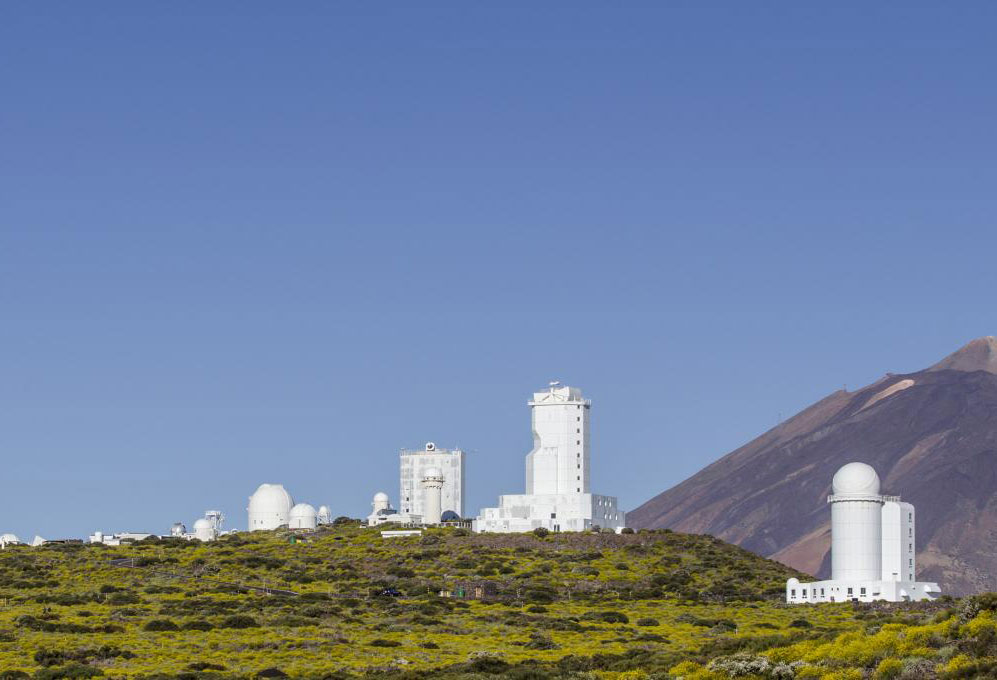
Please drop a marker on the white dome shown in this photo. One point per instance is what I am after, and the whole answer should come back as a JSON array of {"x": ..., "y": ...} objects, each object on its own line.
[
  {"x": 9, "y": 538},
  {"x": 303, "y": 510},
  {"x": 302, "y": 516},
  {"x": 269, "y": 507},
  {"x": 855, "y": 479},
  {"x": 381, "y": 497},
  {"x": 202, "y": 524},
  {"x": 324, "y": 514},
  {"x": 432, "y": 472}
]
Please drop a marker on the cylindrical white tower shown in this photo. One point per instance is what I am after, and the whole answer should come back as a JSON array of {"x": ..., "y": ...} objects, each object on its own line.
[
  {"x": 432, "y": 490},
  {"x": 856, "y": 524},
  {"x": 204, "y": 530}
]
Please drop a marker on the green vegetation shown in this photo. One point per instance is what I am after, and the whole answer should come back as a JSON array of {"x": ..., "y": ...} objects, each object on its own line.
[{"x": 594, "y": 605}]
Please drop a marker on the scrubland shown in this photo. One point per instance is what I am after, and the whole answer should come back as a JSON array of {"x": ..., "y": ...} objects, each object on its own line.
[{"x": 616, "y": 607}]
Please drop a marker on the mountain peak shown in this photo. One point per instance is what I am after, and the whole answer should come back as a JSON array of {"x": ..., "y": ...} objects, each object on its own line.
[{"x": 977, "y": 355}]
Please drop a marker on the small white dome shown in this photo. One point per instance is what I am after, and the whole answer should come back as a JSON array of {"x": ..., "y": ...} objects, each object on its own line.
[
  {"x": 432, "y": 472},
  {"x": 202, "y": 524},
  {"x": 381, "y": 497},
  {"x": 324, "y": 514},
  {"x": 303, "y": 516},
  {"x": 855, "y": 479},
  {"x": 9, "y": 538},
  {"x": 303, "y": 510}
]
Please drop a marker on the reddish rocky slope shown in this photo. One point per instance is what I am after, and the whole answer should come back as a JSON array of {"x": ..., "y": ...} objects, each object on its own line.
[{"x": 932, "y": 436}]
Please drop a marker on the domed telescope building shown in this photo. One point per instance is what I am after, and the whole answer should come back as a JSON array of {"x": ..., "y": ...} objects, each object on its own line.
[{"x": 872, "y": 546}]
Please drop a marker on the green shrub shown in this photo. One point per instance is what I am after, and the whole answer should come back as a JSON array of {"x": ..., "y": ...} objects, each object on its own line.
[
  {"x": 198, "y": 624},
  {"x": 647, "y": 621},
  {"x": 541, "y": 532},
  {"x": 381, "y": 642},
  {"x": 161, "y": 625},
  {"x": 238, "y": 621}
]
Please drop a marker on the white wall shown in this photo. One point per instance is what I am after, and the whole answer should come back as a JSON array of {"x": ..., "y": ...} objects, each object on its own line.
[
  {"x": 559, "y": 460},
  {"x": 899, "y": 560},
  {"x": 856, "y": 539}
]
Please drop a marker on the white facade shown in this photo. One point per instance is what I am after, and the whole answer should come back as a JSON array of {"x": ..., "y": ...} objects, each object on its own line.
[
  {"x": 559, "y": 460},
  {"x": 899, "y": 560},
  {"x": 432, "y": 496},
  {"x": 269, "y": 507},
  {"x": 413, "y": 465},
  {"x": 557, "y": 494},
  {"x": 872, "y": 546}
]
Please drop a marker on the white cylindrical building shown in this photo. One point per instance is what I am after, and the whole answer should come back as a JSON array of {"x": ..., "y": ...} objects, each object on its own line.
[
  {"x": 269, "y": 507},
  {"x": 324, "y": 515},
  {"x": 204, "y": 530},
  {"x": 432, "y": 496},
  {"x": 856, "y": 524},
  {"x": 302, "y": 516}
]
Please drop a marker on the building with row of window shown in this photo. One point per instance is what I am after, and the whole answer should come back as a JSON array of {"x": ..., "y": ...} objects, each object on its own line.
[
  {"x": 872, "y": 546},
  {"x": 558, "y": 495}
]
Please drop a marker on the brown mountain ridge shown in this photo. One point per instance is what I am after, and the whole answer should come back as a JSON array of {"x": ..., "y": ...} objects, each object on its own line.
[{"x": 931, "y": 435}]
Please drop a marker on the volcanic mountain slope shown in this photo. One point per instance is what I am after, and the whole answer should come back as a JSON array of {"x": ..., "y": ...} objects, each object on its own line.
[{"x": 931, "y": 435}]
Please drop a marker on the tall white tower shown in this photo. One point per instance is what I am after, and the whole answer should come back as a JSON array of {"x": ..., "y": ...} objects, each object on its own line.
[
  {"x": 559, "y": 461},
  {"x": 432, "y": 492},
  {"x": 856, "y": 524}
]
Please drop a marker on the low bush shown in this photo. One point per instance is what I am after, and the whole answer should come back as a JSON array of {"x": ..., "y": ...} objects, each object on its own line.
[
  {"x": 160, "y": 625},
  {"x": 381, "y": 642}
]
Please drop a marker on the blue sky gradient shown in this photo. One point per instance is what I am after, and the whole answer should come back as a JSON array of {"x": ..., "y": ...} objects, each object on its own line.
[{"x": 245, "y": 242}]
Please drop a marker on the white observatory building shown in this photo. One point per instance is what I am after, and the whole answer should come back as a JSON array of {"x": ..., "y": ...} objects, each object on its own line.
[
  {"x": 557, "y": 495},
  {"x": 872, "y": 546},
  {"x": 414, "y": 464},
  {"x": 271, "y": 507},
  {"x": 302, "y": 516}
]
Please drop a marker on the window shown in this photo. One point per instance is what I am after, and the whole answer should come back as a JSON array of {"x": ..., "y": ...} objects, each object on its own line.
[
  {"x": 910, "y": 547},
  {"x": 792, "y": 592},
  {"x": 578, "y": 442},
  {"x": 553, "y": 515},
  {"x": 577, "y": 478},
  {"x": 910, "y": 577},
  {"x": 804, "y": 593},
  {"x": 910, "y": 563},
  {"x": 849, "y": 591},
  {"x": 578, "y": 419},
  {"x": 578, "y": 430},
  {"x": 861, "y": 591},
  {"x": 822, "y": 592},
  {"x": 578, "y": 490},
  {"x": 910, "y": 516},
  {"x": 579, "y": 466}
]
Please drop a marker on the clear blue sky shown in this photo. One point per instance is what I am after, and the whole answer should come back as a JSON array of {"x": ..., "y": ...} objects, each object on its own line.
[{"x": 245, "y": 242}]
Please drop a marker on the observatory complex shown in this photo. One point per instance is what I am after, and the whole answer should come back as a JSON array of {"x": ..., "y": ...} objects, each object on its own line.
[
  {"x": 557, "y": 494},
  {"x": 872, "y": 546},
  {"x": 271, "y": 507},
  {"x": 430, "y": 488}
]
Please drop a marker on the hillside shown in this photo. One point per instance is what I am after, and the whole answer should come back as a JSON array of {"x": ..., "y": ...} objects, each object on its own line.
[
  {"x": 931, "y": 435},
  {"x": 354, "y": 603}
]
